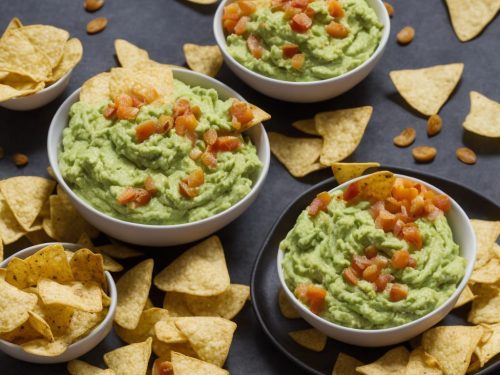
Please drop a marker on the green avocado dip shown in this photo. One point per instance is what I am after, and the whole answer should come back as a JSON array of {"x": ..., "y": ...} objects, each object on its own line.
[
  {"x": 159, "y": 163},
  {"x": 302, "y": 40},
  {"x": 329, "y": 256}
]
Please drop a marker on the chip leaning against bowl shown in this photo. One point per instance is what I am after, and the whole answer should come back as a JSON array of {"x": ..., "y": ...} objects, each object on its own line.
[
  {"x": 168, "y": 162},
  {"x": 301, "y": 40},
  {"x": 371, "y": 263}
]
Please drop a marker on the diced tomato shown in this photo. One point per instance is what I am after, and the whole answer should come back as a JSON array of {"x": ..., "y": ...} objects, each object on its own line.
[
  {"x": 241, "y": 111},
  {"x": 209, "y": 160},
  {"x": 109, "y": 111},
  {"x": 351, "y": 192},
  {"x": 241, "y": 26},
  {"x": 255, "y": 47},
  {"x": 290, "y": 11},
  {"x": 126, "y": 196},
  {"x": 210, "y": 136},
  {"x": 145, "y": 93},
  {"x": 196, "y": 111},
  {"x": 196, "y": 178},
  {"x": 145, "y": 130},
  {"x": 150, "y": 186},
  {"x": 162, "y": 367},
  {"x": 371, "y": 252},
  {"x": 192, "y": 136},
  {"x": 309, "y": 12},
  {"x": 134, "y": 196},
  {"x": 417, "y": 207},
  {"x": 227, "y": 143},
  {"x": 311, "y": 295},
  {"x": 232, "y": 12},
  {"x": 400, "y": 259},
  {"x": 289, "y": 50},
  {"x": 195, "y": 153},
  {"x": 350, "y": 276},
  {"x": 165, "y": 123},
  {"x": 184, "y": 123},
  {"x": 432, "y": 212},
  {"x": 302, "y": 4},
  {"x": 136, "y": 102},
  {"x": 319, "y": 203},
  {"x": 392, "y": 205},
  {"x": 187, "y": 191},
  {"x": 325, "y": 197},
  {"x": 398, "y": 226},
  {"x": 382, "y": 281},
  {"x": 442, "y": 202},
  {"x": 123, "y": 100},
  {"x": 336, "y": 30},
  {"x": 247, "y": 7},
  {"x": 398, "y": 292},
  {"x": 181, "y": 107},
  {"x": 376, "y": 208},
  {"x": 380, "y": 261},
  {"x": 142, "y": 197},
  {"x": 278, "y": 4},
  {"x": 412, "y": 235},
  {"x": 400, "y": 192},
  {"x": 300, "y": 23},
  {"x": 359, "y": 263},
  {"x": 126, "y": 113},
  {"x": 335, "y": 9},
  {"x": 298, "y": 61},
  {"x": 371, "y": 273},
  {"x": 385, "y": 220},
  {"x": 229, "y": 25},
  {"x": 412, "y": 263}
]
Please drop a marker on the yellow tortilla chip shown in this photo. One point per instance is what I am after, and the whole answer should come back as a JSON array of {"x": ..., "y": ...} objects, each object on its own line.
[
  {"x": 344, "y": 172},
  {"x": 50, "y": 263},
  {"x": 48, "y": 39},
  {"x": 377, "y": 185},
  {"x": 18, "y": 273},
  {"x": 307, "y": 126},
  {"x": 342, "y": 131},
  {"x": 299, "y": 155},
  {"x": 14, "y": 306},
  {"x": 145, "y": 328},
  {"x": 110, "y": 264},
  {"x": 203, "y": 59},
  {"x": 486, "y": 233},
  {"x": 491, "y": 347},
  {"x": 310, "y": 338},
  {"x": 259, "y": 116},
  {"x": 346, "y": 365},
  {"x": 46, "y": 348},
  {"x": 486, "y": 306},
  {"x": 487, "y": 274},
  {"x": 133, "y": 290},
  {"x": 130, "y": 359},
  {"x": 470, "y": 17},
  {"x": 184, "y": 365},
  {"x": 465, "y": 297},
  {"x": 1, "y": 247},
  {"x": 226, "y": 305},
  {"x": 8, "y": 92},
  {"x": 392, "y": 362},
  {"x": 40, "y": 325},
  {"x": 119, "y": 251},
  {"x": 422, "y": 363},
  {"x": 427, "y": 89},
  {"x": 210, "y": 337},
  {"x": 57, "y": 316},
  {"x": 128, "y": 54},
  {"x": 200, "y": 270},
  {"x": 26, "y": 196},
  {"x": 10, "y": 229},
  {"x": 15, "y": 23},
  {"x": 82, "y": 322},
  {"x": 84, "y": 296},
  {"x": 163, "y": 350},
  {"x": 87, "y": 266},
  {"x": 176, "y": 305},
  {"x": 149, "y": 304},
  {"x": 22, "y": 334},
  {"x": 452, "y": 346},
  {"x": 483, "y": 117},
  {"x": 38, "y": 236},
  {"x": 96, "y": 89},
  {"x": 73, "y": 52},
  {"x": 286, "y": 306},
  {"x": 166, "y": 331},
  {"x": 77, "y": 367}
]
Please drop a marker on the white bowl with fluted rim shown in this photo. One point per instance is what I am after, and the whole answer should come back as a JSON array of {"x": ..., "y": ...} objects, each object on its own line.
[
  {"x": 40, "y": 98},
  {"x": 84, "y": 344},
  {"x": 303, "y": 92},
  {"x": 463, "y": 235},
  {"x": 161, "y": 235}
]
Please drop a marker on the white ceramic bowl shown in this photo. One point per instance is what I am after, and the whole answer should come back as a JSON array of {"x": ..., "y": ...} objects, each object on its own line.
[
  {"x": 303, "y": 92},
  {"x": 79, "y": 347},
  {"x": 40, "y": 98},
  {"x": 161, "y": 235},
  {"x": 463, "y": 235}
]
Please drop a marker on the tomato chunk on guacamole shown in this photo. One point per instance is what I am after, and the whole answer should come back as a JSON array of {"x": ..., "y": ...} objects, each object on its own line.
[
  {"x": 160, "y": 163},
  {"x": 372, "y": 264},
  {"x": 301, "y": 40}
]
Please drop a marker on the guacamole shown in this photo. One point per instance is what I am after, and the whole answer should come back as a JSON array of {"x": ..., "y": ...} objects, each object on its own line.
[
  {"x": 303, "y": 41},
  {"x": 196, "y": 166},
  {"x": 333, "y": 251}
]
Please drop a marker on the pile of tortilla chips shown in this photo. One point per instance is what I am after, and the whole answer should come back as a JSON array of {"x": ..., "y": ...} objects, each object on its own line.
[
  {"x": 52, "y": 298},
  {"x": 34, "y": 57},
  {"x": 341, "y": 132}
]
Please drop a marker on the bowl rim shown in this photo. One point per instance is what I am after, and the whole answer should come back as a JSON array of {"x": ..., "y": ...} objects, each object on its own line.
[
  {"x": 372, "y": 332},
  {"x": 113, "y": 294},
  {"x": 221, "y": 42},
  {"x": 52, "y": 143}
]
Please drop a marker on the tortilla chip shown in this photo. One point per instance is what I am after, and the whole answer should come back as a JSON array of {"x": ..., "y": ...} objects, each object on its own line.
[
  {"x": 39, "y": 236},
  {"x": 465, "y": 297},
  {"x": 310, "y": 338},
  {"x": 40, "y": 325},
  {"x": 87, "y": 266},
  {"x": 46, "y": 348},
  {"x": 145, "y": 328},
  {"x": 307, "y": 126},
  {"x": 96, "y": 89},
  {"x": 483, "y": 117},
  {"x": 346, "y": 365},
  {"x": 83, "y": 322},
  {"x": 128, "y": 54},
  {"x": 486, "y": 306},
  {"x": 347, "y": 171},
  {"x": 377, "y": 185},
  {"x": 486, "y": 233},
  {"x": 299, "y": 155},
  {"x": 10, "y": 229},
  {"x": 18, "y": 273},
  {"x": 73, "y": 52},
  {"x": 203, "y": 59},
  {"x": 392, "y": 362},
  {"x": 487, "y": 274},
  {"x": 109, "y": 263},
  {"x": 427, "y": 89},
  {"x": 1, "y": 247},
  {"x": 342, "y": 131},
  {"x": 226, "y": 305},
  {"x": 48, "y": 39},
  {"x": 26, "y": 196},
  {"x": 22, "y": 334},
  {"x": 469, "y": 18},
  {"x": 15, "y": 23},
  {"x": 57, "y": 316},
  {"x": 149, "y": 304},
  {"x": 50, "y": 263},
  {"x": 84, "y": 296},
  {"x": 176, "y": 305},
  {"x": 133, "y": 290},
  {"x": 119, "y": 251},
  {"x": 286, "y": 307},
  {"x": 490, "y": 347},
  {"x": 200, "y": 270},
  {"x": 166, "y": 331},
  {"x": 452, "y": 346},
  {"x": 209, "y": 337},
  {"x": 14, "y": 306},
  {"x": 184, "y": 365},
  {"x": 259, "y": 116},
  {"x": 77, "y": 367},
  {"x": 164, "y": 350},
  {"x": 8, "y": 92},
  {"x": 422, "y": 363},
  {"x": 130, "y": 359}
]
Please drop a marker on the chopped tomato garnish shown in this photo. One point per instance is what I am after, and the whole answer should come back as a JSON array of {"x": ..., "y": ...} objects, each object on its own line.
[
  {"x": 336, "y": 30},
  {"x": 380, "y": 261},
  {"x": 162, "y": 367},
  {"x": 109, "y": 111},
  {"x": 145, "y": 130},
  {"x": 150, "y": 186},
  {"x": 184, "y": 123},
  {"x": 195, "y": 153},
  {"x": 247, "y": 7},
  {"x": 417, "y": 206},
  {"x": 412, "y": 263},
  {"x": 302, "y": 4},
  {"x": 442, "y": 202},
  {"x": 209, "y": 160},
  {"x": 371, "y": 251},
  {"x": 371, "y": 273},
  {"x": 134, "y": 196},
  {"x": 350, "y": 276},
  {"x": 385, "y": 220},
  {"x": 412, "y": 235},
  {"x": 319, "y": 203},
  {"x": 298, "y": 61},
  {"x": 278, "y": 4},
  {"x": 300, "y": 23},
  {"x": 124, "y": 100},
  {"x": 195, "y": 178},
  {"x": 196, "y": 111},
  {"x": 210, "y": 136},
  {"x": 232, "y": 12},
  {"x": 382, "y": 281},
  {"x": 181, "y": 107},
  {"x": 165, "y": 123},
  {"x": 398, "y": 292},
  {"x": 241, "y": 26},
  {"x": 359, "y": 263},
  {"x": 290, "y": 49},
  {"x": 229, "y": 25},
  {"x": 400, "y": 192},
  {"x": 313, "y": 296},
  {"x": 400, "y": 259},
  {"x": 241, "y": 111},
  {"x": 126, "y": 196},
  {"x": 227, "y": 143},
  {"x": 142, "y": 197},
  {"x": 255, "y": 47},
  {"x": 186, "y": 191},
  {"x": 136, "y": 102},
  {"x": 335, "y": 9},
  {"x": 145, "y": 93},
  {"x": 351, "y": 192},
  {"x": 310, "y": 12},
  {"x": 126, "y": 113}
]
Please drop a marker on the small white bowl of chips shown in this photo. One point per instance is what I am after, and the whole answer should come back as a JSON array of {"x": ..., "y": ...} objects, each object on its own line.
[
  {"x": 56, "y": 303},
  {"x": 45, "y": 58}
]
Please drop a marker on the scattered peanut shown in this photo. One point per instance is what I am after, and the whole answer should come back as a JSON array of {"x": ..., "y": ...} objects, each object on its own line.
[
  {"x": 93, "y": 5},
  {"x": 466, "y": 155},
  {"x": 424, "y": 154},
  {"x": 20, "y": 159},
  {"x": 406, "y": 35},
  {"x": 434, "y": 124},
  {"x": 389, "y": 8},
  {"x": 97, "y": 25},
  {"x": 405, "y": 138}
]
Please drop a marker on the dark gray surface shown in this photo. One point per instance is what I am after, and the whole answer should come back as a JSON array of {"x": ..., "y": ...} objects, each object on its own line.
[{"x": 163, "y": 26}]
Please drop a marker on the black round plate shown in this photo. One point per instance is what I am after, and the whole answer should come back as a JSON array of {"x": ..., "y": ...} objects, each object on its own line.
[{"x": 265, "y": 283}]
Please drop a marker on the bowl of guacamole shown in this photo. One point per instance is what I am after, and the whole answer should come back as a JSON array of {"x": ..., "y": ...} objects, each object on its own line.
[
  {"x": 301, "y": 50},
  {"x": 375, "y": 270},
  {"x": 158, "y": 164}
]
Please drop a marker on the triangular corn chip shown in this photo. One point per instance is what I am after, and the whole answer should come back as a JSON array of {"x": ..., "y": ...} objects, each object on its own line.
[
  {"x": 203, "y": 59},
  {"x": 128, "y": 54},
  {"x": 484, "y": 116},
  {"x": 310, "y": 338},
  {"x": 130, "y": 359},
  {"x": 184, "y": 365},
  {"x": 347, "y": 171}
]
